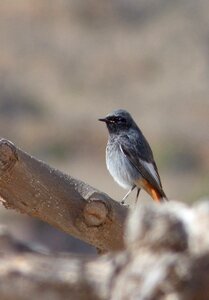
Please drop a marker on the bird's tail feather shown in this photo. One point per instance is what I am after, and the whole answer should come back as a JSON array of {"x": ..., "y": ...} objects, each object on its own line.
[{"x": 157, "y": 195}]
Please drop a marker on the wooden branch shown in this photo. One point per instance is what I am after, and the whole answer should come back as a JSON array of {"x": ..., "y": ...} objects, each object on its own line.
[
  {"x": 166, "y": 257},
  {"x": 35, "y": 277},
  {"x": 32, "y": 187}
]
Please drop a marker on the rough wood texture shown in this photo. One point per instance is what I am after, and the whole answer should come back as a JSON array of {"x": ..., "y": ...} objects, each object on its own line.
[
  {"x": 166, "y": 257},
  {"x": 32, "y": 187},
  {"x": 165, "y": 252}
]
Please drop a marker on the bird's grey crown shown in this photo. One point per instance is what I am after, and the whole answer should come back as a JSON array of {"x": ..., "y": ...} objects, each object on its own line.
[{"x": 120, "y": 113}]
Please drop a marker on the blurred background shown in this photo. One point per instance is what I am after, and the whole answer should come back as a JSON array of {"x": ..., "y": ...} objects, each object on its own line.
[{"x": 64, "y": 64}]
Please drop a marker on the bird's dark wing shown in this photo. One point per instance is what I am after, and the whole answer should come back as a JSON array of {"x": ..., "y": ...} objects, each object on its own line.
[{"x": 140, "y": 155}]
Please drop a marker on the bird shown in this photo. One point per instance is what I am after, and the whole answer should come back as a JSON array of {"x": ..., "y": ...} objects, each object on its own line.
[{"x": 129, "y": 157}]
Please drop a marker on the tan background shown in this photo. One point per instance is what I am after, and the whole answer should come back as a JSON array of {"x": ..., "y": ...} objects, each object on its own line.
[{"x": 64, "y": 64}]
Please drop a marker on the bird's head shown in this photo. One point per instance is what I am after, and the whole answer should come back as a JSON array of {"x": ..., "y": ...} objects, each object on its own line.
[{"x": 118, "y": 121}]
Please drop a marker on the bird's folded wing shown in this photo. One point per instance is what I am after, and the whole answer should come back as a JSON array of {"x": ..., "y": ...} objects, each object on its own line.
[{"x": 146, "y": 169}]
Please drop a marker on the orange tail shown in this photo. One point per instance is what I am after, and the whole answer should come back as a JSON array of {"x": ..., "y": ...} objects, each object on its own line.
[{"x": 154, "y": 193}]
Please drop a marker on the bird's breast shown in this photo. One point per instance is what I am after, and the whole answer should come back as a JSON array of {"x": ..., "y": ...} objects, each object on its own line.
[{"x": 119, "y": 166}]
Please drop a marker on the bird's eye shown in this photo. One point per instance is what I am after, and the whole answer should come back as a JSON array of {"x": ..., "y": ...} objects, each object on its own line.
[{"x": 120, "y": 120}]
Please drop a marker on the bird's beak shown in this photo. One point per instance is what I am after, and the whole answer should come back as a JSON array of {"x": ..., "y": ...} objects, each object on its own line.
[{"x": 103, "y": 120}]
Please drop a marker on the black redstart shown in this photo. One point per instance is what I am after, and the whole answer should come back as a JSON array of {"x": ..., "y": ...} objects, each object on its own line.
[{"x": 129, "y": 157}]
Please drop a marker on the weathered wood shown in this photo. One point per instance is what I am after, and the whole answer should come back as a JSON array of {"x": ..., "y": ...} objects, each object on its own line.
[
  {"x": 32, "y": 187},
  {"x": 166, "y": 256}
]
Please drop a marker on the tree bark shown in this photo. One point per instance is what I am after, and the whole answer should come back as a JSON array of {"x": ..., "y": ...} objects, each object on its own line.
[
  {"x": 166, "y": 256},
  {"x": 165, "y": 249},
  {"x": 32, "y": 277},
  {"x": 32, "y": 187}
]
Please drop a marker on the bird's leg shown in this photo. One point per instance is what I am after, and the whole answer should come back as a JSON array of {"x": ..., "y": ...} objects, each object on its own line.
[
  {"x": 126, "y": 195},
  {"x": 137, "y": 195}
]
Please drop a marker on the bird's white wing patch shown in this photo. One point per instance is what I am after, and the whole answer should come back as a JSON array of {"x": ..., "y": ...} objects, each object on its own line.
[{"x": 151, "y": 169}]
